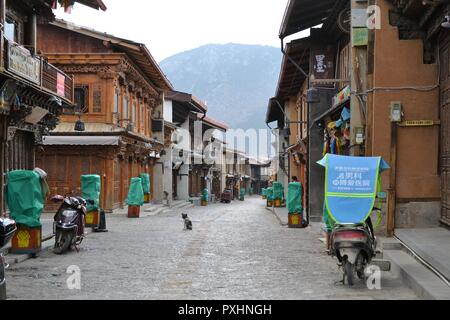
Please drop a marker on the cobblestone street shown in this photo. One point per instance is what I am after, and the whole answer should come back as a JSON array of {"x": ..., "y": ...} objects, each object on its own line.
[{"x": 236, "y": 251}]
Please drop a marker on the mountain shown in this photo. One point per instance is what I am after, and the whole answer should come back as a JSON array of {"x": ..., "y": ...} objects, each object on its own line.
[{"x": 235, "y": 80}]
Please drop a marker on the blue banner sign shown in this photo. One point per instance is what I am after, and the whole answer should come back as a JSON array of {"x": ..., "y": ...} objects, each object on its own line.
[{"x": 351, "y": 186}]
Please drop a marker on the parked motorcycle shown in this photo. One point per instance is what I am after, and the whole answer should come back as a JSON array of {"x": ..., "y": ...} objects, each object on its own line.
[
  {"x": 7, "y": 229},
  {"x": 69, "y": 222},
  {"x": 354, "y": 245}
]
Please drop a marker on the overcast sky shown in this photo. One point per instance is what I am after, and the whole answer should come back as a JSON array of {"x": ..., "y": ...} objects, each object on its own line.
[{"x": 168, "y": 27}]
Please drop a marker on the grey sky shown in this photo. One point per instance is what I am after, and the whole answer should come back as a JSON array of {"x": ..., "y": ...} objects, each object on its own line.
[{"x": 168, "y": 27}]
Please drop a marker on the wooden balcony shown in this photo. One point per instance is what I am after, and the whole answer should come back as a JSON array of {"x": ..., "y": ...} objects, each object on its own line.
[{"x": 34, "y": 70}]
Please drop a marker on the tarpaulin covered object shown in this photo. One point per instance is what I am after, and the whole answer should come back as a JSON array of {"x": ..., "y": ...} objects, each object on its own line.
[
  {"x": 90, "y": 189},
  {"x": 135, "y": 193},
  {"x": 269, "y": 193},
  {"x": 278, "y": 191},
  {"x": 145, "y": 177},
  {"x": 351, "y": 187},
  {"x": 24, "y": 197},
  {"x": 264, "y": 192},
  {"x": 205, "y": 194},
  {"x": 294, "y": 198}
]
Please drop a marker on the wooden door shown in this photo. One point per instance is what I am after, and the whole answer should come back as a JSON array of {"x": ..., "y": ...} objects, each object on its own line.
[
  {"x": 445, "y": 128},
  {"x": 21, "y": 151}
]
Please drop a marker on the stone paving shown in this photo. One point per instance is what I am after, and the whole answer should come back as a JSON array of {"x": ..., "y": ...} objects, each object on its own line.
[{"x": 235, "y": 251}]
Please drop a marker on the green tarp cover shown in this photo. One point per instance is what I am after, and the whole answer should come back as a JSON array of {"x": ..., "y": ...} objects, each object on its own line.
[
  {"x": 24, "y": 197},
  {"x": 135, "y": 193},
  {"x": 269, "y": 194},
  {"x": 90, "y": 189},
  {"x": 242, "y": 192},
  {"x": 205, "y": 194},
  {"x": 145, "y": 177},
  {"x": 278, "y": 191},
  {"x": 294, "y": 198},
  {"x": 264, "y": 192}
]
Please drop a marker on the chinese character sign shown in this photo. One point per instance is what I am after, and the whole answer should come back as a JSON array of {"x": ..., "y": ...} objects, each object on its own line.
[{"x": 351, "y": 186}]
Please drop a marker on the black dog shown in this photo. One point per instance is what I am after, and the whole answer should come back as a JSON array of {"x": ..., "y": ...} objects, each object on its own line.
[{"x": 187, "y": 222}]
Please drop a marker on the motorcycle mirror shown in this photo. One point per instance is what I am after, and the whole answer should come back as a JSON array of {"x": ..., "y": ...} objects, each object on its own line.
[{"x": 57, "y": 198}]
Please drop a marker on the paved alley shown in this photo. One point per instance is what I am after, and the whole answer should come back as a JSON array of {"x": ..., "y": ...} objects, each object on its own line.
[{"x": 235, "y": 251}]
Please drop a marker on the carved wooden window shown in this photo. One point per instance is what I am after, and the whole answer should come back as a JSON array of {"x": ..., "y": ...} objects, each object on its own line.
[
  {"x": 142, "y": 116},
  {"x": 11, "y": 30},
  {"x": 116, "y": 102},
  {"x": 97, "y": 100},
  {"x": 133, "y": 113},
  {"x": 81, "y": 99},
  {"x": 14, "y": 26},
  {"x": 125, "y": 107}
]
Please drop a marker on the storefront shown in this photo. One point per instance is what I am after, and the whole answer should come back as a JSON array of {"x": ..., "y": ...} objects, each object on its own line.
[{"x": 335, "y": 123}]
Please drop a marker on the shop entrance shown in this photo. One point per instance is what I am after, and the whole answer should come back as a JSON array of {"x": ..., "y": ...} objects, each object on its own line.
[{"x": 445, "y": 128}]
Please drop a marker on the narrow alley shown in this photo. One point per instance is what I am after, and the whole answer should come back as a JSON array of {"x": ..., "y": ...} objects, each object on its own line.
[{"x": 235, "y": 251}]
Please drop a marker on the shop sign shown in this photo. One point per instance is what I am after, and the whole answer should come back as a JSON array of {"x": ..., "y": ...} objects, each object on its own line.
[
  {"x": 22, "y": 63},
  {"x": 322, "y": 64},
  {"x": 418, "y": 123},
  {"x": 360, "y": 37},
  {"x": 61, "y": 85},
  {"x": 342, "y": 96}
]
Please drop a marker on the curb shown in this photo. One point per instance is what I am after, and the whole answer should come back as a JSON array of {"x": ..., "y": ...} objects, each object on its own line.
[
  {"x": 422, "y": 281},
  {"x": 283, "y": 224}
]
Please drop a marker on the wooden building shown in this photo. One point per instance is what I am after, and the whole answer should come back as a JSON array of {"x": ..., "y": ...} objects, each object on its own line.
[
  {"x": 119, "y": 92},
  {"x": 314, "y": 70},
  {"x": 32, "y": 90}
]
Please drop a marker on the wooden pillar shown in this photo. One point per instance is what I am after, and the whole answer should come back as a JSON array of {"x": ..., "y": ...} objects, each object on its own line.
[{"x": 392, "y": 197}]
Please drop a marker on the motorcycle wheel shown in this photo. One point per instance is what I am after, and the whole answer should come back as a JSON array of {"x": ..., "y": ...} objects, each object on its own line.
[
  {"x": 349, "y": 272},
  {"x": 361, "y": 263},
  {"x": 64, "y": 242}
]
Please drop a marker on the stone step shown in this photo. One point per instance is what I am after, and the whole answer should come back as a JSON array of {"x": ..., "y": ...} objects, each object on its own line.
[{"x": 414, "y": 274}]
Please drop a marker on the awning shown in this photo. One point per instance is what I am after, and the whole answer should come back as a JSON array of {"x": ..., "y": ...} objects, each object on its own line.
[
  {"x": 81, "y": 140},
  {"x": 304, "y": 14}
]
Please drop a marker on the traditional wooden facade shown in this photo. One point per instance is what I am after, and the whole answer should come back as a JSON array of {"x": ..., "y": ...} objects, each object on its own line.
[
  {"x": 313, "y": 70},
  {"x": 32, "y": 90},
  {"x": 119, "y": 92}
]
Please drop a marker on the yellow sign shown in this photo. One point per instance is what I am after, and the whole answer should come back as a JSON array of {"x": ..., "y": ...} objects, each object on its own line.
[
  {"x": 23, "y": 238},
  {"x": 295, "y": 219},
  {"x": 90, "y": 218},
  {"x": 418, "y": 123}
]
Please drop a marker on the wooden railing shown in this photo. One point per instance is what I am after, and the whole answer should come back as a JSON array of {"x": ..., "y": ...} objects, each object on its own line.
[
  {"x": 57, "y": 81},
  {"x": 19, "y": 62}
]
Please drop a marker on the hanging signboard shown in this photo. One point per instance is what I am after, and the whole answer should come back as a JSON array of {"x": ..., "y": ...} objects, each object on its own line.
[
  {"x": 360, "y": 37},
  {"x": 322, "y": 62},
  {"x": 23, "y": 64}
]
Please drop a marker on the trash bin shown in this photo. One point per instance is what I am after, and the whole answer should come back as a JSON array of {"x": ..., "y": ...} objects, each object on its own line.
[
  {"x": 205, "y": 197},
  {"x": 146, "y": 186},
  {"x": 242, "y": 194},
  {"x": 25, "y": 200},
  {"x": 269, "y": 193},
  {"x": 135, "y": 198},
  {"x": 264, "y": 193},
  {"x": 278, "y": 194},
  {"x": 90, "y": 189},
  {"x": 294, "y": 205}
]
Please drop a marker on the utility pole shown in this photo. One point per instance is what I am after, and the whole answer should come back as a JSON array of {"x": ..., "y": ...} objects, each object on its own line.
[{"x": 358, "y": 77}]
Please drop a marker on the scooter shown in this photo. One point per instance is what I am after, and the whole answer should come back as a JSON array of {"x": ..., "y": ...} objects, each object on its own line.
[
  {"x": 7, "y": 229},
  {"x": 354, "y": 245},
  {"x": 69, "y": 221}
]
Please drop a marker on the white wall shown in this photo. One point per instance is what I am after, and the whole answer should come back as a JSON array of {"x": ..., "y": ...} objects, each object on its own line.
[{"x": 168, "y": 110}]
